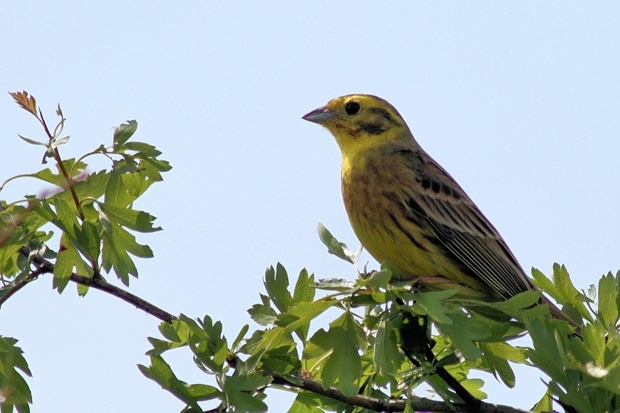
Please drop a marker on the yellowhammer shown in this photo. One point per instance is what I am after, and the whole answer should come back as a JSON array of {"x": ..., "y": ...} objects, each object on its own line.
[{"x": 406, "y": 209}]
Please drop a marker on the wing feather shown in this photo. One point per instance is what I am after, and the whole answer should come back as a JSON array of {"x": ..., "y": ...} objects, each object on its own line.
[{"x": 444, "y": 208}]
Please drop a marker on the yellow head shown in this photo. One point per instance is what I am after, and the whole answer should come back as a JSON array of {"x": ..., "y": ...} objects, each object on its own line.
[{"x": 360, "y": 123}]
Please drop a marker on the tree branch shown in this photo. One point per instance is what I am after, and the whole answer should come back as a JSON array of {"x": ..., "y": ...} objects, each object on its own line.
[
  {"x": 390, "y": 405},
  {"x": 30, "y": 277},
  {"x": 471, "y": 402},
  {"x": 99, "y": 283}
]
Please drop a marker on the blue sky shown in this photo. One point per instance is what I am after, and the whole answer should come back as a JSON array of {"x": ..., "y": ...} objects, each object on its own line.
[{"x": 519, "y": 101}]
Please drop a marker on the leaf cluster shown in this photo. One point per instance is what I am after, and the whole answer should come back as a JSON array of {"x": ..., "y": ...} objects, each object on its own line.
[
  {"x": 386, "y": 343},
  {"x": 93, "y": 214},
  {"x": 369, "y": 359}
]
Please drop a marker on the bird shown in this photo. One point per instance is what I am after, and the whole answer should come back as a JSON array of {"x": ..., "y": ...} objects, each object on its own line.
[{"x": 407, "y": 209}]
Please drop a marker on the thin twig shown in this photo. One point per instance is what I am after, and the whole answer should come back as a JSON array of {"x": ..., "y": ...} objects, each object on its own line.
[
  {"x": 99, "y": 283},
  {"x": 370, "y": 403},
  {"x": 471, "y": 402},
  {"x": 416, "y": 344},
  {"x": 70, "y": 182},
  {"x": 390, "y": 405},
  {"x": 30, "y": 277}
]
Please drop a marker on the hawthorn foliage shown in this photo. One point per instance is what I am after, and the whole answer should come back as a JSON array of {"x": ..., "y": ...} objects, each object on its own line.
[{"x": 384, "y": 339}]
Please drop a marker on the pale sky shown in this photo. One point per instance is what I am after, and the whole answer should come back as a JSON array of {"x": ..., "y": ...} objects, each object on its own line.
[{"x": 519, "y": 101}]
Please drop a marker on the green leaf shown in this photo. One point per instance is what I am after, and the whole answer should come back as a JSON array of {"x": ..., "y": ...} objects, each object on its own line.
[
  {"x": 207, "y": 343},
  {"x": 607, "y": 299},
  {"x": 305, "y": 404},
  {"x": 263, "y": 314},
  {"x": 299, "y": 316},
  {"x": 92, "y": 187},
  {"x": 68, "y": 260},
  {"x": 276, "y": 283},
  {"x": 177, "y": 331},
  {"x": 237, "y": 342},
  {"x": 336, "y": 284},
  {"x": 14, "y": 387},
  {"x": 130, "y": 218},
  {"x": 138, "y": 182},
  {"x": 544, "y": 283},
  {"x": 116, "y": 193},
  {"x": 386, "y": 356},
  {"x": 433, "y": 304},
  {"x": 568, "y": 294},
  {"x": 325, "y": 403},
  {"x": 66, "y": 217},
  {"x": 238, "y": 390},
  {"x": 151, "y": 168},
  {"x": 74, "y": 169},
  {"x": 618, "y": 288},
  {"x": 474, "y": 387},
  {"x": 262, "y": 342},
  {"x": 518, "y": 302},
  {"x": 89, "y": 240},
  {"x": 336, "y": 247},
  {"x": 342, "y": 369},
  {"x": 611, "y": 380},
  {"x": 304, "y": 288},
  {"x": 591, "y": 348},
  {"x": 379, "y": 279},
  {"x": 545, "y": 354},
  {"x": 63, "y": 268},
  {"x": 578, "y": 400},
  {"x": 144, "y": 148},
  {"x": 281, "y": 359},
  {"x": 408, "y": 408},
  {"x": 507, "y": 352},
  {"x": 124, "y": 131},
  {"x": 161, "y": 346},
  {"x": 545, "y": 404},
  {"x": 117, "y": 243},
  {"x": 497, "y": 354},
  {"x": 464, "y": 331},
  {"x": 563, "y": 291},
  {"x": 203, "y": 392},
  {"x": 160, "y": 372}
]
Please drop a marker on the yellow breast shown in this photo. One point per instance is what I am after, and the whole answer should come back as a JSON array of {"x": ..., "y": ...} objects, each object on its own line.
[{"x": 375, "y": 190}]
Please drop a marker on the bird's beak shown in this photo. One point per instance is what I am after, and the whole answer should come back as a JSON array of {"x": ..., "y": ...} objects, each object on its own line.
[{"x": 319, "y": 115}]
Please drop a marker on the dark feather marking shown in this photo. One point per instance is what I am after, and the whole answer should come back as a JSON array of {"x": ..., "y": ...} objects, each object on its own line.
[
  {"x": 415, "y": 207},
  {"x": 471, "y": 255},
  {"x": 383, "y": 113},
  {"x": 405, "y": 152},
  {"x": 411, "y": 237},
  {"x": 450, "y": 192},
  {"x": 437, "y": 186},
  {"x": 415, "y": 162},
  {"x": 372, "y": 128},
  {"x": 482, "y": 225},
  {"x": 426, "y": 182},
  {"x": 457, "y": 247},
  {"x": 485, "y": 265}
]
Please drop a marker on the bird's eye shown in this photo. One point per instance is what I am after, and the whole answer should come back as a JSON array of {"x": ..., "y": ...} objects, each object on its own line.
[{"x": 352, "y": 108}]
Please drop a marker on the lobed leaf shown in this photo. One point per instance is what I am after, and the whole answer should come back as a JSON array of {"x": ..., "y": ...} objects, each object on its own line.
[
  {"x": 336, "y": 247},
  {"x": 608, "y": 299},
  {"x": 342, "y": 368},
  {"x": 276, "y": 284},
  {"x": 124, "y": 131}
]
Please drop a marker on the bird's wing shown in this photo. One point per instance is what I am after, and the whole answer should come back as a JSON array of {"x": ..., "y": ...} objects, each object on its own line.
[{"x": 461, "y": 228}]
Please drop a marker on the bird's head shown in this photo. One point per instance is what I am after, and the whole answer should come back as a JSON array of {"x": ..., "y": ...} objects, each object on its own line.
[{"x": 360, "y": 123}]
